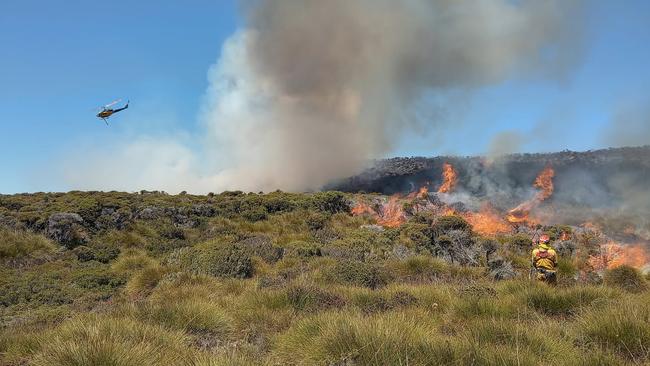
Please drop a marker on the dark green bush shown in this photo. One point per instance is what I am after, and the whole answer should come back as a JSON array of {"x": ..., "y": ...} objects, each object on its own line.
[
  {"x": 254, "y": 215},
  {"x": 315, "y": 220},
  {"x": 48, "y": 286},
  {"x": 627, "y": 278},
  {"x": 451, "y": 222},
  {"x": 311, "y": 298},
  {"x": 331, "y": 202},
  {"x": 521, "y": 243},
  {"x": 98, "y": 278},
  {"x": 99, "y": 253},
  {"x": 302, "y": 249},
  {"x": 361, "y": 274},
  {"x": 420, "y": 234},
  {"x": 262, "y": 246},
  {"x": 215, "y": 259}
]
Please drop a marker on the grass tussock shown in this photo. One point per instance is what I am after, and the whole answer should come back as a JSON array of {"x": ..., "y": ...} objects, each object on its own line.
[
  {"x": 627, "y": 278},
  {"x": 100, "y": 340},
  {"x": 17, "y": 245},
  {"x": 623, "y": 328}
]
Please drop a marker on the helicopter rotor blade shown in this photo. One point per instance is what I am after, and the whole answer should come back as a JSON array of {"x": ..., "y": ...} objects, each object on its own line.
[{"x": 112, "y": 103}]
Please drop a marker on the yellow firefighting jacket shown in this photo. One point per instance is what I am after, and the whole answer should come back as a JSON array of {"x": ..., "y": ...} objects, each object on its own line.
[{"x": 544, "y": 257}]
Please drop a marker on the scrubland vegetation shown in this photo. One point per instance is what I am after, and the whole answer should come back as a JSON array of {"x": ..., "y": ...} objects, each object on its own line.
[{"x": 292, "y": 279}]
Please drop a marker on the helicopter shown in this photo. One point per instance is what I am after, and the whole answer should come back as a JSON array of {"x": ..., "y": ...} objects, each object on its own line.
[{"x": 106, "y": 111}]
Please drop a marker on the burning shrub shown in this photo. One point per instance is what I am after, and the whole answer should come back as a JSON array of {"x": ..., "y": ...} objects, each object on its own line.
[
  {"x": 626, "y": 277},
  {"x": 565, "y": 248}
]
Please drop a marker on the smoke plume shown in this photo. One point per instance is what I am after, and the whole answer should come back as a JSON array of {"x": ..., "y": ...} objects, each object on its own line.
[{"x": 308, "y": 91}]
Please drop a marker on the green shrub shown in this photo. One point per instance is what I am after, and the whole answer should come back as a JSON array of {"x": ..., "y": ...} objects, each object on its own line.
[
  {"x": 420, "y": 235},
  {"x": 627, "y": 278},
  {"x": 315, "y": 220},
  {"x": 302, "y": 249},
  {"x": 311, "y": 298},
  {"x": 360, "y": 274},
  {"x": 520, "y": 243},
  {"x": 215, "y": 259},
  {"x": 331, "y": 202},
  {"x": 419, "y": 269},
  {"x": 262, "y": 246},
  {"x": 47, "y": 286},
  {"x": 254, "y": 215},
  {"x": 451, "y": 222},
  {"x": 98, "y": 278}
]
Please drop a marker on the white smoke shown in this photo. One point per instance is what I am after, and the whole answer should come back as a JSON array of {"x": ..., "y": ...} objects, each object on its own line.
[
  {"x": 311, "y": 90},
  {"x": 308, "y": 91}
]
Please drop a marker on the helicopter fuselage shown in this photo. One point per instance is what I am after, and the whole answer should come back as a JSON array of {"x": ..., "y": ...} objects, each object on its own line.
[{"x": 105, "y": 113}]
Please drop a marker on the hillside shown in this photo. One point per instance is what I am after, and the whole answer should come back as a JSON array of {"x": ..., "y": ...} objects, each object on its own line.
[
  {"x": 399, "y": 174},
  {"x": 149, "y": 278}
]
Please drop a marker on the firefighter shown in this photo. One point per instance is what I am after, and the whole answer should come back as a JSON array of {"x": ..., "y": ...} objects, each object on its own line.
[{"x": 544, "y": 261}]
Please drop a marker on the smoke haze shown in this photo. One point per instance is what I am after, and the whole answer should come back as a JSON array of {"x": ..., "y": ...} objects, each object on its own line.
[
  {"x": 308, "y": 91},
  {"x": 311, "y": 90}
]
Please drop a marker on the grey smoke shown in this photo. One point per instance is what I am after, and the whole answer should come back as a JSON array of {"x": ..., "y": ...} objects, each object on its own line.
[
  {"x": 310, "y": 90},
  {"x": 504, "y": 143},
  {"x": 630, "y": 126}
]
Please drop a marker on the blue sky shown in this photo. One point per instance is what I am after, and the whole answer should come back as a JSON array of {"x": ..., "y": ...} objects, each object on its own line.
[{"x": 60, "y": 59}]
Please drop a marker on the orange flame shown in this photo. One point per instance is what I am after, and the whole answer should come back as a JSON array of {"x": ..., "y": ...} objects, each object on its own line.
[
  {"x": 450, "y": 178},
  {"x": 487, "y": 221},
  {"x": 613, "y": 255},
  {"x": 564, "y": 236},
  {"x": 392, "y": 213},
  {"x": 420, "y": 193},
  {"x": 543, "y": 182},
  {"x": 362, "y": 208}
]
